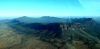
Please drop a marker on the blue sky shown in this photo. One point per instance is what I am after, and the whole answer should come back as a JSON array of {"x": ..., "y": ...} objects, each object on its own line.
[{"x": 50, "y": 7}]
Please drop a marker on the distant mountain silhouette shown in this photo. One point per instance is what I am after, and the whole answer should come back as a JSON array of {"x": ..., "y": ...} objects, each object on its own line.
[{"x": 44, "y": 19}]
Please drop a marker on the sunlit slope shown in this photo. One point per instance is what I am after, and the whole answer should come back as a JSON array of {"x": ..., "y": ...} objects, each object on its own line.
[
  {"x": 10, "y": 39},
  {"x": 7, "y": 36}
]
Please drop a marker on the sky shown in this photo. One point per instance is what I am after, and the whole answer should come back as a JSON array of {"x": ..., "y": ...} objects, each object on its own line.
[{"x": 49, "y": 7}]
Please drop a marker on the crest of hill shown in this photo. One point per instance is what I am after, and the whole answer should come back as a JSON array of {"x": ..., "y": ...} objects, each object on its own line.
[{"x": 44, "y": 19}]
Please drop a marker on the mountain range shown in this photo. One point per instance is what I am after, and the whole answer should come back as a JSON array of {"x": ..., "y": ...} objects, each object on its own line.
[{"x": 51, "y": 32}]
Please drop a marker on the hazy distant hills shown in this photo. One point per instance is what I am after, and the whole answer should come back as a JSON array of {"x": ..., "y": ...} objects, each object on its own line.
[
  {"x": 44, "y": 19},
  {"x": 97, "y": 19}
]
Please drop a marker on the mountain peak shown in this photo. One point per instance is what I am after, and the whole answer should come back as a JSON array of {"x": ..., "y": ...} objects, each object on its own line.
[{"x": 47, "y": 17}]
